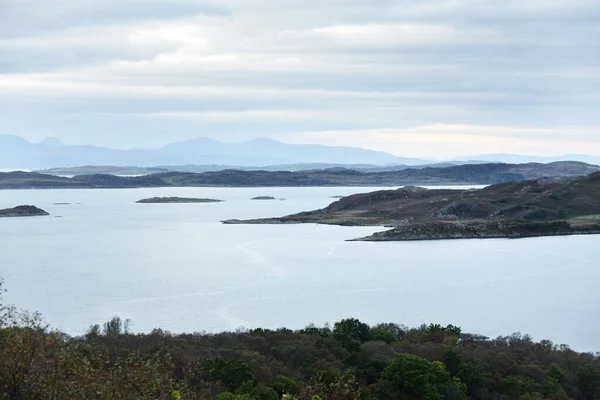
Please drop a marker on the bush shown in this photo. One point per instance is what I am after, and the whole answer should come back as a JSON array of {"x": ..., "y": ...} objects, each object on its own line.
[{"x": 535, "y": 214}]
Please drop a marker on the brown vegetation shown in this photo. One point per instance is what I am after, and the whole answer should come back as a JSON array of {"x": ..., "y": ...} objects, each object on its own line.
[{"x": 350, "y": 361}]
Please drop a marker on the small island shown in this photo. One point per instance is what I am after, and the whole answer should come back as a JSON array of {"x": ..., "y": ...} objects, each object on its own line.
[
  {"x": 170, "y": 200},
  {"x": 23, "y": 211},
  {"x": 263, "y": 198},
  {"x": 543, "y": 207}
]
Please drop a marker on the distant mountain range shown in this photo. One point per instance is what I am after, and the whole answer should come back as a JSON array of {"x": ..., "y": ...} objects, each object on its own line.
[{"x": 18, "y": 153}]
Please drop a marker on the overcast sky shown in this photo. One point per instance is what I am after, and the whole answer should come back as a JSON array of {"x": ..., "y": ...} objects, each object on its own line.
[{"x": 426, "y": 78}]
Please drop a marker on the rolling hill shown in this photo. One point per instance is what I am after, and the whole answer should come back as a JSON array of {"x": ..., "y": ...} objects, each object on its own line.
[
  {"x": 483, "y": 174},
  {"x": 543, "y": 207}
]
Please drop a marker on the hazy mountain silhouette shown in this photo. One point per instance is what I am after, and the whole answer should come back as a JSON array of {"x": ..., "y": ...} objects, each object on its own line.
[
  {"x": 522, "y": 159},
  {"x": 271, "y": 152},
  {"x": 16, "y": 152}
]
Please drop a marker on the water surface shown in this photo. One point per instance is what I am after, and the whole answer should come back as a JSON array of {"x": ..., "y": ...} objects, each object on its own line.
[{"x": 174, "y": 266}]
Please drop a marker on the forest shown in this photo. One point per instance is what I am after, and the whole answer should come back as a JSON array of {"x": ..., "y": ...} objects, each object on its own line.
[{"x": 349, "y": 360}]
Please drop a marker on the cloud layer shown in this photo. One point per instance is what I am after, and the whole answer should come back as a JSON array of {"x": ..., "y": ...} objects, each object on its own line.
[{"x": 431, "y": 78}]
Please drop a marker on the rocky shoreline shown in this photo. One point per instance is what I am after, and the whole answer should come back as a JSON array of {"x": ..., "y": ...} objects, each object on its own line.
[
  {"x": 172, "y": 200},
  {"x": 480, "y": 231},
  {"x": 544, "y": 207},
  {"x": 260, "y": 221}
]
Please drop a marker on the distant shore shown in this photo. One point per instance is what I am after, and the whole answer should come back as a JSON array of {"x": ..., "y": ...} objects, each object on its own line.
[{"x": 472, "y": 174}]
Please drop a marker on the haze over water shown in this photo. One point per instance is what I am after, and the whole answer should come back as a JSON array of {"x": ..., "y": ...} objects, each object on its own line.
[{"x": 176, "y": 267}]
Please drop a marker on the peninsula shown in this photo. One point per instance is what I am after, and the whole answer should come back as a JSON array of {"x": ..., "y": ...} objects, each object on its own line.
[
  {"x": 22, "y": 211},
  {"x": 543, "y": 207},
  {"x": 153, "y": 200}
]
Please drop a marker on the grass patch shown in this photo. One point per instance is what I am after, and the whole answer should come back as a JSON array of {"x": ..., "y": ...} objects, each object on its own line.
[{"x": 590, "y": 218}]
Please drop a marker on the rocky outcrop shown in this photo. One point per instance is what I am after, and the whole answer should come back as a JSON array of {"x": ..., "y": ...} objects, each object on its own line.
[{"x": 22, "y": 211}]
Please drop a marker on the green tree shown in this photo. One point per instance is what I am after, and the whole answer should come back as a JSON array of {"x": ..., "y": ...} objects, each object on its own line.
[
  {"x": 115, "y": 327},
  {"x": 465, "y": 370},
  {"x": 284, "y": 385},
  {"x": 409, "y": 377},
  {"x": 331, "y": 384},
  {"x": 351, "y": 333},
  {"x": 588, "y": 379},
  {"x": 232, "y": 373},
  {"x": 254, "y": 391}
]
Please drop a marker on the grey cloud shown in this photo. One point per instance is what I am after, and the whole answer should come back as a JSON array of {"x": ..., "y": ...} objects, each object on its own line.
[
  {"x": 338, "y": 64},
  {"x": 26, "y": 18}
]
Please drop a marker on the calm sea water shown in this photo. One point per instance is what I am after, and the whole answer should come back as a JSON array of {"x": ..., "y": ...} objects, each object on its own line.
[{"x": 174, "y": 266}]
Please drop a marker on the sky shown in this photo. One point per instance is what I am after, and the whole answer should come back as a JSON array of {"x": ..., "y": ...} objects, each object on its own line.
[{"x": 417, "y": 78}]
